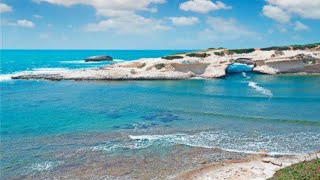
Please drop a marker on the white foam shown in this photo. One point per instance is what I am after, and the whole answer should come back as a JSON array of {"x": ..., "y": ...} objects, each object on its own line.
[
  {"x": 73, "y": 62},
  {"x": 44, "y": 166},
  {"x": 237, "y": 142},
  {"x": 139, "y": 144},
  {"x": 118, "y": 60},
  {"x": 244, "y": 74},
  {"x": 260, "y": 89},
  {"x": 5, "y": 77}
]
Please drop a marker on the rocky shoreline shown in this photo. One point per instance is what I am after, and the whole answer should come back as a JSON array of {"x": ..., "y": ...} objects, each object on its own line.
[
  {"x": 210, "y": 63},
  {"x": 260, "y": 166}
]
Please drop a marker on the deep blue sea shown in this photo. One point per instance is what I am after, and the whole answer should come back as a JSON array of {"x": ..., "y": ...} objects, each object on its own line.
[{"x": 60, "y": 128}]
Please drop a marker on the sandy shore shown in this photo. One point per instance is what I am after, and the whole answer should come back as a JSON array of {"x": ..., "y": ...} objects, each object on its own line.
[{"x": 253, "y": 167}]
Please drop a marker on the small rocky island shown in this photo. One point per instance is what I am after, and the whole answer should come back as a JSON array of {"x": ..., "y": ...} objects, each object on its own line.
[
  {"x": 98, "y": 58},
  {"x": 210, "y": 63}
]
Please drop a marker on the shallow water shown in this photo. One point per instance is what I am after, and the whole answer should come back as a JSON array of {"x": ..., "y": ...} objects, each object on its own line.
[{"x": 59, "y": 129}]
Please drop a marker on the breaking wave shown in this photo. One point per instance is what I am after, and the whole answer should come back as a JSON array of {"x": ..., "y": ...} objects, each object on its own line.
[
  {"x": 255, "y": 86},
  {"x": 7, "y": 77},
  {"x": 260, "y": 89},
  {"x": 44, "y": 166},
  {"x": 277, "y": 144},
  {"x": 244, "y": 74},
  {"x": 236, "y": 142}
]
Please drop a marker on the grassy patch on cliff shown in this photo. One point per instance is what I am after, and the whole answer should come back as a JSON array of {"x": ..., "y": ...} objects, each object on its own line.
[
  {"x": 303, "y": 47},
  {"x": 241, "y": 51},
  {"x": 219, "y": 53},
  {"x": 305, "y": 170},
  {"x": 277, "y": 48},
  {"x": 198, "y": 55},
  {"x": 171, "y": 57},
  {"x": 294, "y": 47}
]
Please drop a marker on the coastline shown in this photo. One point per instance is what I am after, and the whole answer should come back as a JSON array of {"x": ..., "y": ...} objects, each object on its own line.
[
  {"x": 235, "y": 132},
  {"x": 261, "y": 166},
  {"x": 207, "y": 64}
]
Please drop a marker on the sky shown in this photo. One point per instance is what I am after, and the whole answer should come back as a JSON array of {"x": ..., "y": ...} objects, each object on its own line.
[{"x": 157, "y": 24}]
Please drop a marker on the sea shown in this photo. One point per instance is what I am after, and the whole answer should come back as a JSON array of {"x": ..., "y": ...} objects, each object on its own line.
[{"x": 144, "y": 129}]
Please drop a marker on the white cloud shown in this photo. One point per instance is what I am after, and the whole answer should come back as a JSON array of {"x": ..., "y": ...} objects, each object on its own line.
[
  {"x": 309, "y": 9},
  {"x": 184, "y": 21},
  {"x": 5, "y": 8},
  {"x": 122, "y": 14},
  {"x": 132, "y": 24},
  {"x": 112, "y": 8},
  {"x": 202, "y": 6},
  {"x": 226, "y": 29},
  {"x": 25, "y": 23},
  {"x": 37, "y": 16},
  {"x": 276, "y": 13},
  {"x": 299, "y": 26}
]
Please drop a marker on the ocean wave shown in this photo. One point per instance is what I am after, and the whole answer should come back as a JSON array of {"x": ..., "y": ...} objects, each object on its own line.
[
  {"x": 244, "y": 74},
  {"x": 73, "y": 62},
  {"x": 236, "y": 142},
  {"x": 260, "y": 89},
  {"x": 285, "y": 144},
  {"x": 109, "y": 147},
  {"x": 44, "y": 166},
  {"x": 7, "y": 77},
  {"x": 119, "y": 60}
]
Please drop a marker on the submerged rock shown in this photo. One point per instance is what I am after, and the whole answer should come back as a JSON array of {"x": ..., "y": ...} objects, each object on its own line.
[{"x": 98, "y": 58}]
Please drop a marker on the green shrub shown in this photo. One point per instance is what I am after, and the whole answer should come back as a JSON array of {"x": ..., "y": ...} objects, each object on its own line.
[
  {"x": 172, "y": 57},
  {"x": 199, "y": 55},
  {"x": 210, "y": 49},
  {"x": 277, "y": 48},
  {"x": 241, "y": 51},
  {"x": 303, "y": 47},
  {"x": 305, "y": 170},
  {"x": 159, "y": 66},
  {"x": 221, "y": 53}
]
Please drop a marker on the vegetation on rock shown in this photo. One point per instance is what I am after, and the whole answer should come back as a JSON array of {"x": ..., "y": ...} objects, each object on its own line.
[
  {"x": 303, "y": 47},
  {"x": 211, "y": 49},
  {"x": 221, "y": 53},
  {"x": 276, "y": 48},
  {"x": 159, "y": 66},
  {"x": 241, "y": 51},
  {"x": 172, "y": 57},
  {"x": 305, "y": 170},
  {"x": 199, "y": 55},
  {"x": 293, "y": 47}
]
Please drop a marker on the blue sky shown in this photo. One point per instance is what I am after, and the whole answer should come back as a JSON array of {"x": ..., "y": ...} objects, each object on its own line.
[{"x": 157, "y": 24}]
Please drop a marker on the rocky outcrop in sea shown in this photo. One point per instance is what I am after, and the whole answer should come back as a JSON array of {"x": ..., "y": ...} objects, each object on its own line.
[{"x": 210, "y": 63}]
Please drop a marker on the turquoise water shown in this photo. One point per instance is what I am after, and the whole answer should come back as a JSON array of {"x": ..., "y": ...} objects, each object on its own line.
[{"x": 44, "y": 123}]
